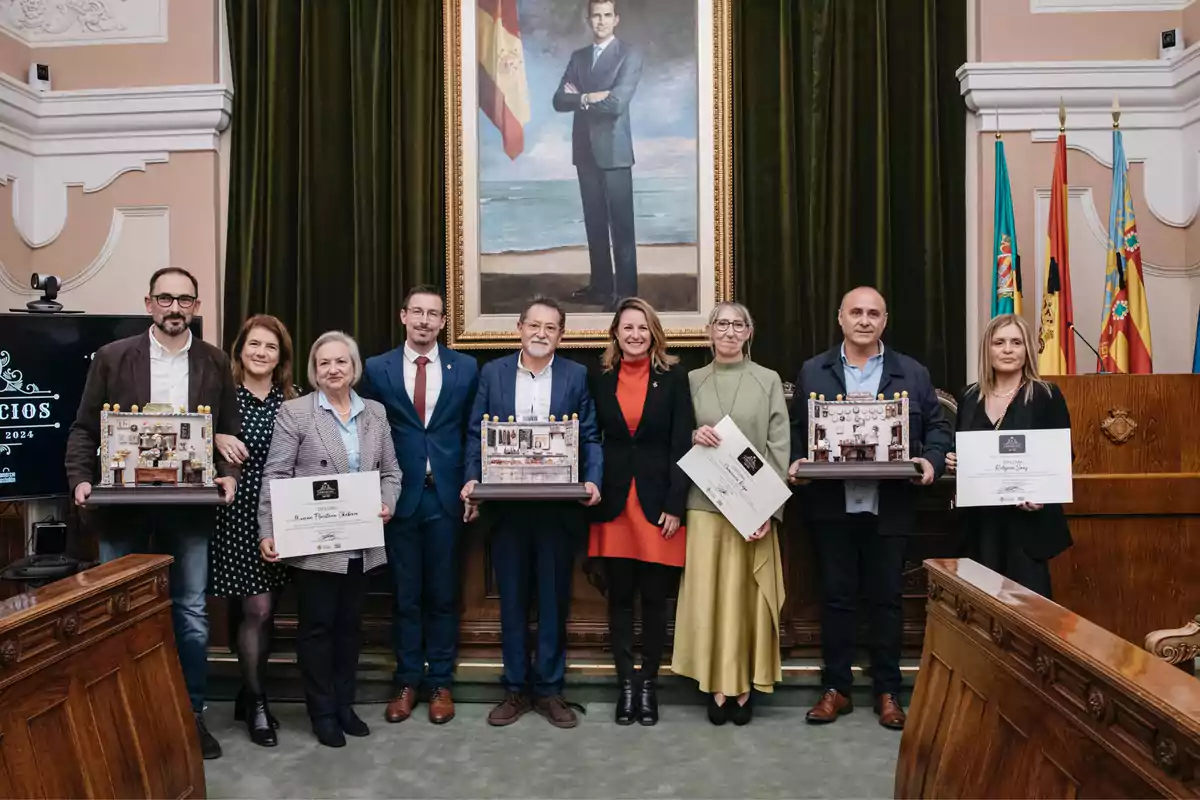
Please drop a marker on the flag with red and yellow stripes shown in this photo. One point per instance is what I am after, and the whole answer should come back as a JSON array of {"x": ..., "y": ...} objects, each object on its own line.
[
  {"x": 1125, "y": 329},
  {"x": 503, "y": 89},
  {"x": 1056, "y": 340}
]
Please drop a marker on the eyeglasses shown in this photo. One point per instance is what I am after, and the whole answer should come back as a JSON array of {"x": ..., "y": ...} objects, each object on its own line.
[
  {"x": 165, "y": 300},
  {"x": 722, "y": 325},
  {"x": 431, "y": 315}
]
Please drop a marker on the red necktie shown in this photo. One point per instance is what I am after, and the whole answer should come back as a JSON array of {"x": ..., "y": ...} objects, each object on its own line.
[{"x": 419, "y": 389}]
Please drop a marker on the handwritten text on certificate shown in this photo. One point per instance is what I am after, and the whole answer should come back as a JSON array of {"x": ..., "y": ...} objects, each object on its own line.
[
  {"x": 736, "y": 478},
  {"x": 1007, "y": 468}
]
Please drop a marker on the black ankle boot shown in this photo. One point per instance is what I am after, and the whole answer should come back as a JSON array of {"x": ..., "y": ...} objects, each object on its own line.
[
  {"x": 626, "y": 709},
  {"x": 258, "y": 722},
  {"x": 648, "y": 705},
  {"x": 244, "y": 701}
]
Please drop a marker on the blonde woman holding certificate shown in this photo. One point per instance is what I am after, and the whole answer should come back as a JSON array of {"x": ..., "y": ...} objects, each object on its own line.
[
  {"x": 331, "y": 431},
  {"x": 727, "y": 617}
]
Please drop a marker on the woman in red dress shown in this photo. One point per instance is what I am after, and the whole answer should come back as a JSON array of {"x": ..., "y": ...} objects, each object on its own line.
[{"x": 644, "y": 412}]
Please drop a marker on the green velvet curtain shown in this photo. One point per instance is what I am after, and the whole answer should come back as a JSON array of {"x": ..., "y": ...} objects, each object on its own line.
[{"x": 849, "y": 167}]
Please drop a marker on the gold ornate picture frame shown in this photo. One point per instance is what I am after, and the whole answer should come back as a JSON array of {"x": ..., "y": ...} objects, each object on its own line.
[{"x": 586, "y": 193}]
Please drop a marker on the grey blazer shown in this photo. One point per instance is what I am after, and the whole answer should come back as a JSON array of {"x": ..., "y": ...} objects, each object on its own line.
[{"x": 306, "y": 442}]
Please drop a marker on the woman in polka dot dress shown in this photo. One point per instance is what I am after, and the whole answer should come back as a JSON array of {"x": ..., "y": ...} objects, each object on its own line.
[{"x": 262, "y": 369}]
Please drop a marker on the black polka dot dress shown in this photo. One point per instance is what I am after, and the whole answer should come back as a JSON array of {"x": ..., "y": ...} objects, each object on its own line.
[{"x": 236, "y": 569}]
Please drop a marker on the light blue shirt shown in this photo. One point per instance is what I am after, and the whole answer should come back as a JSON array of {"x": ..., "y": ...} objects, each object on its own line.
[
  {"x": 348, "y": 430},
  {"x": 862, "y": 497}
]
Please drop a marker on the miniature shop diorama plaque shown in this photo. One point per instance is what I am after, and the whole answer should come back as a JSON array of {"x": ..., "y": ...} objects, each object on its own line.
[
  {"x": 530, "y": 460},
  {"x": 858, "y": 437},
  {"x": 157, "y": 455}
]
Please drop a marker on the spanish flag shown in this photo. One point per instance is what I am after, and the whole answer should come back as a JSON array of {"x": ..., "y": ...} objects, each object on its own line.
[
  {"x": 1125, "y": 331},
  {"x": 503, "y": 90},
  {"x": 1056, "y": 341}
]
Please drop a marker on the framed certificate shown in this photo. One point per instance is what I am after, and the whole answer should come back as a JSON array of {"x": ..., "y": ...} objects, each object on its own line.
[
  {"x": 326, "y": 514},
  {"x": 1006, "y": 468}
]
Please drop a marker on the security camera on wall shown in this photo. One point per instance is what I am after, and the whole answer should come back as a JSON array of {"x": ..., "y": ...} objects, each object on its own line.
[
  {"x": 39, "y": 77},
  {"x": 1170, "y": 44}
]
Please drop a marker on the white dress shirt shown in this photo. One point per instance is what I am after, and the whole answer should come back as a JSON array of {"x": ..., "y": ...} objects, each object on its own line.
[
  {"x": 169, "y": 374},
  {"x": 433, "y": 379},
  {"x": 533, "y": 391}
]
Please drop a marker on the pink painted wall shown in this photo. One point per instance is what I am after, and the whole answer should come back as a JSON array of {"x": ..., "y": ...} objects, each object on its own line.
[{"x": 1009, "y": 31}]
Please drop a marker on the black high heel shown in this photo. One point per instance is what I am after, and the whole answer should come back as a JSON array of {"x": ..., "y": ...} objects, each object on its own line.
[
  {"x": 258, "y": 723},
  {"x": 648, "y": 705},
  {"x": 718, "y": 715},
  {"x": 741, "y": 714},
  {"x": 626, "y": 708},
  {"x": 245, "y": 700}
]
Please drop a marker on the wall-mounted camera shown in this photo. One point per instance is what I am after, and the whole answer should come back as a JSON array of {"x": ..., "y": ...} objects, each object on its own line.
[{"x": 49, "y": 285}]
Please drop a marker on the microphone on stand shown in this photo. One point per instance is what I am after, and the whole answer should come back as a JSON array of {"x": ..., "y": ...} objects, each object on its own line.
[{"x": 1099, "y": 360}]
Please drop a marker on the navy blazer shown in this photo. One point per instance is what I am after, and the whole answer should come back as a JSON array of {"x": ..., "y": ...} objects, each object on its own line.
[
  {"x": 442, "y": 441},
  {"x": 497, "y": 397},
  {"x": 929, "y": 435},
  {"x": 601, "y": 132}
]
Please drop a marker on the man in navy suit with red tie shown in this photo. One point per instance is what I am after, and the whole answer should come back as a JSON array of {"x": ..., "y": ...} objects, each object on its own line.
[
  {"x": 428, "y": 391},
  {"x": 597, "y": 87}
]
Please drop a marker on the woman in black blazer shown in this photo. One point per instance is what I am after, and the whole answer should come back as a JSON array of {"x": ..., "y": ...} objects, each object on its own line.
[
  {"x": 644, "y": 412},
  {"x": 1018, "y": 541}
]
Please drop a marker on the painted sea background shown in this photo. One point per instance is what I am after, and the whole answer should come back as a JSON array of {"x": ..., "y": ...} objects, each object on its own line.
[{"x": 526, "y": 216}]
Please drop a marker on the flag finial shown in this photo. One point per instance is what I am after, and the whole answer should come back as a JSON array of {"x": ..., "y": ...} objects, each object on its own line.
[
  {"x": 1062, "y": 116},
  {"x": 997, "y": 122},
  {"x": 1116, "y": 112}
]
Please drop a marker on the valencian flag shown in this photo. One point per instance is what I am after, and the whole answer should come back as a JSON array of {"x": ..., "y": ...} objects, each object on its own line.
[
  {"x": 1006, "y": 263},
  {"x": 1125, "y": 335},
  {"x": 503, "y": 90},
  {"x": 1056, "y": 342}
]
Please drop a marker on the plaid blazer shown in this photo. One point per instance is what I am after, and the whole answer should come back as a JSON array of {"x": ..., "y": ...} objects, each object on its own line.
[{"x": 307, "y": 442}]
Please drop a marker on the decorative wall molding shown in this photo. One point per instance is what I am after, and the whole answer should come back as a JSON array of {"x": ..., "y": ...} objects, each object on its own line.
[
  {"x": 50, "y": 141},
  {"x": 1093, "y": 6},
  {"x": 69, "y": 23},
  {"x": 1160, "y": 116}
]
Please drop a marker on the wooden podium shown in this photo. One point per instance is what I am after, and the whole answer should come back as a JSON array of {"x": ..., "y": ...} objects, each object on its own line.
[
  {"x": 1136, "y": 515},
  {"x": 92, "y": 700}
]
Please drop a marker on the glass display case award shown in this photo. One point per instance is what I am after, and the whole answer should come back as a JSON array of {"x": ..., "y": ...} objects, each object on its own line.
[
  {"x": 858, "y": 437},
  {"x": 529, "y": 460},
  {"x": 157, "y": 455}
]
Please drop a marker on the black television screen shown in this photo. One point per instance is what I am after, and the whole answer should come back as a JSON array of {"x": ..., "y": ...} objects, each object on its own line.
[{"x": 44, "y": 360}]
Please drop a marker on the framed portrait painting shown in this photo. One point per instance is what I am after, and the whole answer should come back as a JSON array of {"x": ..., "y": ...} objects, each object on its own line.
[{"x": 588, "y": 159}]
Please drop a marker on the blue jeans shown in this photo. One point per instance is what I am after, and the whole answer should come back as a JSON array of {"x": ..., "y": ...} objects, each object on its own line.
[
  {"x": 422, "y": 553},
  {"x": 182, "y": 534},
  {"x": 534, "y": 544}
]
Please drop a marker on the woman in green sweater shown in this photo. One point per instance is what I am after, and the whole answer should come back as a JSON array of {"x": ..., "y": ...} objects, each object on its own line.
[{"x": 727, "y": 618}]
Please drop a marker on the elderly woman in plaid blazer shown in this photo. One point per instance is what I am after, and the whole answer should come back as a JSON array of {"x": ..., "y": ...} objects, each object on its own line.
[{"x": 330, "y": 431}]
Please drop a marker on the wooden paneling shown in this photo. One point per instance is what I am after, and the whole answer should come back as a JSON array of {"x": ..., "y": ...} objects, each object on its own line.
[
  {"x": 92, "y": 700},
  {"x": 1018, "y": 697}
]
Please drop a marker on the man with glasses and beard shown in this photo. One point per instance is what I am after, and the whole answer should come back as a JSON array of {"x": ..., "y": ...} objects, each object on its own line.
[
  {"x": 428, "y": 391},
  {"x": 165, "y": 365},
  {"x": 538, "y": 537}
]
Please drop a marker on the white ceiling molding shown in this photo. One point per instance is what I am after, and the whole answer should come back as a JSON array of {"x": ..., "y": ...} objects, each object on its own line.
[
  {"x": 71, "y": 23},
  {"x": 1093, "y": 6},
  {"x": 1160, "y": 116},
  {"x": 52, "y": 140}
]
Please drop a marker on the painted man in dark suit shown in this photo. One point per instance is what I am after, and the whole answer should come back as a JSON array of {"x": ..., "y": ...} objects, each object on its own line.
[
  {"x": 597, "y": 87},
  {"x": 534, "y": 543},
  {"x": 162, "y": 365},
  {"x": 428, "y": 391}
]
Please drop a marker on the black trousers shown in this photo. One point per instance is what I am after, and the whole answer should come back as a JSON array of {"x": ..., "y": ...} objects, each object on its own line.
[
  {"x": 329, "y": 635},
  {"x": 854, "y": 556},
  {"x": 627, "y": 577},
  {"x": 607, "y": 196}
]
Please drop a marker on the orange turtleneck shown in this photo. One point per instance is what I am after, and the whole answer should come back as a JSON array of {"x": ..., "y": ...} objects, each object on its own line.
[{"x": 633, "y": 378}]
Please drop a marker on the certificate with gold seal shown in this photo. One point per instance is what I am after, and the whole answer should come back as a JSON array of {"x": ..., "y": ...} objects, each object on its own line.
[{"x": 326, "y": 514}]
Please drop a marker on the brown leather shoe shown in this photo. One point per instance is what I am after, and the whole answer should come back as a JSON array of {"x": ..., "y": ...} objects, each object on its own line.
[
  {"x": 556, "y": 711},
  {"x": 402, "y": 706},
  {"x": 891, "y": 715},
  {"x": 441, "y": 706},
  {"x": 514, "y": 706},
  {"x": 831, "y": 706}
]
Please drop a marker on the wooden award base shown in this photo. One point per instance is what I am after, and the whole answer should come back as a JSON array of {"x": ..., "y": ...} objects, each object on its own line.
[
  {"x": 858, "y": 471},
  {"x": 529, "y": 491},
  {"x": 155, "y": 496}
]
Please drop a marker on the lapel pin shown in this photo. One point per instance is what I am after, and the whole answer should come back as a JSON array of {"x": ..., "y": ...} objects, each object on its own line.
[
  {"x": 655, "y": 384},
  {"x": 449, "y": 366}
]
